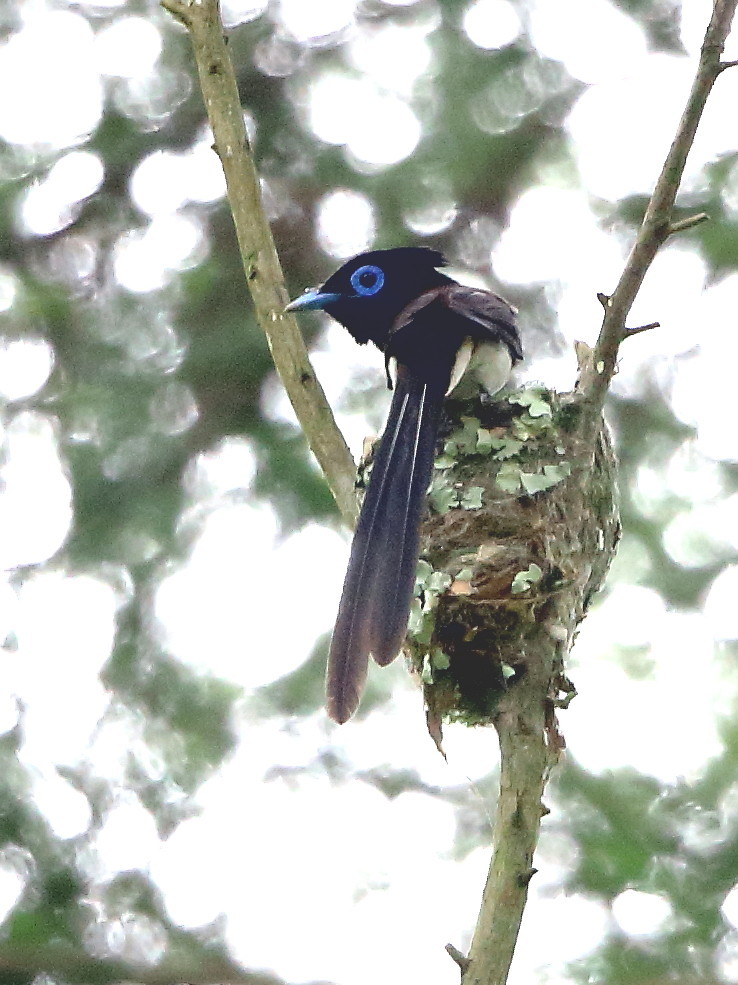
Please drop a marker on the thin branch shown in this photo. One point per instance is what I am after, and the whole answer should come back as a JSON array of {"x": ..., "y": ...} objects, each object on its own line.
[
  {"x": 259, "y": 256},
  {"x": 657, "y": 223},
  {"x": 456, "y": 955},
  {"x": 641, "y": 328},
  {"x": 526, "y": 725},
  {"x": 682, "y": 225}
]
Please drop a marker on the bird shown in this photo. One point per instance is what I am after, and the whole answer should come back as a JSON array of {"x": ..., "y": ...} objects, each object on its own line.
[{"x": 434, "y": 333}]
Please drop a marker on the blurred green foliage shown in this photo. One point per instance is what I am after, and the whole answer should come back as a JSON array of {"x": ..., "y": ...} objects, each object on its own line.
[{"x": 628, "y": 830}]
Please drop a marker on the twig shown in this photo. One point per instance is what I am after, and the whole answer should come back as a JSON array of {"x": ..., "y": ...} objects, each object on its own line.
[
  {"x": 657, "y": 223},
  {"x": 456, "y": 955},
  {"x": 641, "y": 328},
  {"x": 681, "y": 225},
  {"x": 259, "y": 256}
]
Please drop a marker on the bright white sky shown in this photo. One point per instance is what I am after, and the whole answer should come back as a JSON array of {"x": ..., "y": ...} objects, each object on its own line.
[{"x": 338, "y": 863}]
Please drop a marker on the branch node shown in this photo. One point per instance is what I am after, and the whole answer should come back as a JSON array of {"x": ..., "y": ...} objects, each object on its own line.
[
  {"x": 456, "y": 955},
  {"x": 723, "y": 65},
  {"x": 179, "y": 9},
  {"x": 525, "y": 877},
  {"x": 604, "y": 299}
]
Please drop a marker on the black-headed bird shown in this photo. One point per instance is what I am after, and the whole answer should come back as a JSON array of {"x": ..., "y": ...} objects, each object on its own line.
[{"x": 434, "y": 333}]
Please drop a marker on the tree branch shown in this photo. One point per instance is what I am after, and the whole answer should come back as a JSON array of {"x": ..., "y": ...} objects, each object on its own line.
[
  {"x": 657, "y": 223},
  {"x": 258, "y": 253},
  {"x": 526, "y": 756},
  {"x": 526, "y": 722}
]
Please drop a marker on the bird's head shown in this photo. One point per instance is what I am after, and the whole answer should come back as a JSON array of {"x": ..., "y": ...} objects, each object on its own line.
[{"x": 368, "y": 292}]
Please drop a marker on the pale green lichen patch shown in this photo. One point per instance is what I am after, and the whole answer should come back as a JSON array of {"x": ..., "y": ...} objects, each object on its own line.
[
  {"x": 429, "y": 585},
  {"x": 535, "y": 399},
  {"x": 506, "y": 447},
  {"x": 433, "y": 661},
  {"x": 430, "y": 582},
  {"x": 472, "y": 498},
  {"x": 463, "y": 440},
  {"x": 439, "y": 659},
  {"x": 524, "y": 579},
  {"x": 514, "y": 479},
  {"x": 508, "y": 478},
  {"x": 421, "y": 623},
  {"x": 518, "y": 513},
  {"x": 444, "y": 496},
  {"x": 534, "y": 482}
]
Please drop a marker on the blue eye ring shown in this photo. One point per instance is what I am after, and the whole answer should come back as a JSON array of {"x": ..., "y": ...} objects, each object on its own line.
[{"x": 372, "y": 278}]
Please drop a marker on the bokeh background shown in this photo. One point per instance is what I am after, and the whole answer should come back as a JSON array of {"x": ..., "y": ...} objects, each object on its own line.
[{"x": 171, "y": 559}]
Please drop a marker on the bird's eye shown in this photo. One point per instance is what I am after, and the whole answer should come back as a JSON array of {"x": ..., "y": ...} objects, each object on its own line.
[{"x": 367, "y": 280}]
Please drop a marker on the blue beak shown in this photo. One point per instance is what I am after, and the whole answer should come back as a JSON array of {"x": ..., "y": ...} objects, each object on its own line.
[{"x": 312, "y": 298}]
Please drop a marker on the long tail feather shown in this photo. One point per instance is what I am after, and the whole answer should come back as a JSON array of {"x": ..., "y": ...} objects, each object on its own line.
[{"x": 372, "y": 615}]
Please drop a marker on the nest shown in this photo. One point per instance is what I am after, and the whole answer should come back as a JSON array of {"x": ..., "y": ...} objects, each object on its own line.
[{"x": 521, "y": 528}]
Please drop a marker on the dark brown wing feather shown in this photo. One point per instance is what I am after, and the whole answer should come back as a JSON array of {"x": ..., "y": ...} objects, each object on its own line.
[{"x": 475, "y": 313}]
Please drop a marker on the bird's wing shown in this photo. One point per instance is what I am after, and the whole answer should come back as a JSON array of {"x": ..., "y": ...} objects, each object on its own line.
[
  {"x": 475, "y": 313},
  {"x": 488, "y": 311}
]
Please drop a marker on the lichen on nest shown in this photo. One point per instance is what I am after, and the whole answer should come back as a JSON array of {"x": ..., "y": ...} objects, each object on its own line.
[{"x": 521, "y": 527}]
